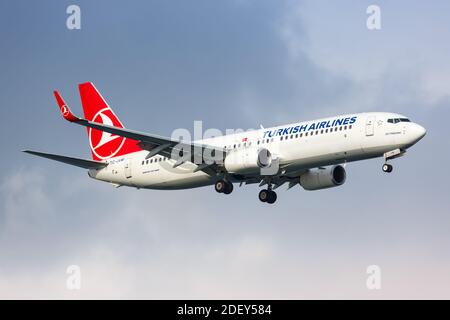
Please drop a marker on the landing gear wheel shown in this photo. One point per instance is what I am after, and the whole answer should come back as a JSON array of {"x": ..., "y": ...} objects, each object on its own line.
[
  {"x": 263, "y": 195},
  {"x": 268, "y": 196},
  {"x": 223, "y": 186},
  {"x": 228, "y": 187},
  {"x": 387, "y": 167},
  {"x": 272, "y": 197},
  {"x": 220, "y": 186}
]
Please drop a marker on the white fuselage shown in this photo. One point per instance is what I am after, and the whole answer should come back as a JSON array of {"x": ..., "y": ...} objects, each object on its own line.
[{"x": 298, "y": 146}]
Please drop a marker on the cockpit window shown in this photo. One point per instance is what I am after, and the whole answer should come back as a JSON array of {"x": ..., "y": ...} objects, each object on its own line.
[{"x": 398, "y": 120}]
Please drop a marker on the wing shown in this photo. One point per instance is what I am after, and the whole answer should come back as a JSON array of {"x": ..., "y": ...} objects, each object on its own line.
[
  {"x": 155, "y": 144},
  {"x": 82, "y": 163}
]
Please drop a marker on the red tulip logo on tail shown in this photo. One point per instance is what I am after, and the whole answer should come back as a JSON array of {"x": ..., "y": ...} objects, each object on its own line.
[{"x": 103, "y": 144}]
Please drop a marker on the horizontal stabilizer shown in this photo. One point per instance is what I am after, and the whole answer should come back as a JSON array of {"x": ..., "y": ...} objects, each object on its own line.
[{"x": 82, "y": 163}]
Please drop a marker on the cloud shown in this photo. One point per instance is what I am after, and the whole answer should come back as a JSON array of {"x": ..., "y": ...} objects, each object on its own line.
[
  {"x": 20, "y": 190},
  {"x": 143, "y": 244},
  {"x": 377, "y": 75},
  {"x": 127, "y": 247}
]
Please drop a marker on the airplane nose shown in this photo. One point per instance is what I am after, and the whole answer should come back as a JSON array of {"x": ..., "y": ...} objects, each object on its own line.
[{"x": 418, "y": 132}]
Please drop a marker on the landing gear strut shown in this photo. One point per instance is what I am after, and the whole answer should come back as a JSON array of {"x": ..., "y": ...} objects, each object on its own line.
[
  {"x": 387, "y": 167},
  {"x": 223, "y": 186},
  {"x": 267, "y": 195}
]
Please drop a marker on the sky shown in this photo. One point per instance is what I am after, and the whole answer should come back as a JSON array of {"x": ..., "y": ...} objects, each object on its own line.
[{"x": 162, "y": 65}]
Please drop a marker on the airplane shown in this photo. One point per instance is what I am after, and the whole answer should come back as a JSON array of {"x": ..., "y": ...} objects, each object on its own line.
[{"x": 311, "y": 154}]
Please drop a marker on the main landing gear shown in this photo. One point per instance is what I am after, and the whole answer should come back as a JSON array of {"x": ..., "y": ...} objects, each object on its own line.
[
  {"x": 268, "y": 196},
  {"x": 223, "y": 186},
  {"x": 387, "y": 167}
]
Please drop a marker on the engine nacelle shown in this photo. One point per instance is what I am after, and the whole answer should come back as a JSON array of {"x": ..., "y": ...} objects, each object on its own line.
[
  {"x": 249, "y": 160},
  {"x": 316, "y": 179}
]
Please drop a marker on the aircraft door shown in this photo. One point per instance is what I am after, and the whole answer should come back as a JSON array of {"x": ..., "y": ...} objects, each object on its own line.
[
  {"x": 370, "y": 126},
  {"x": 128, "y": 174}
]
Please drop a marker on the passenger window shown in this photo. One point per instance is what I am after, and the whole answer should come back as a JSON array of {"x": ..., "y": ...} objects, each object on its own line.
[
  {"x": 301, "y": 135},
  {"x": 345, "y": 128},
  {"x": 321, "y": 131},
  {"x": 340, "y": 128},
  {"x": 281, "y": 138},
  {"x": 306, "y": 134},
  {"x": 350, "y": 126},
  {"x": 296, "y": 136}
]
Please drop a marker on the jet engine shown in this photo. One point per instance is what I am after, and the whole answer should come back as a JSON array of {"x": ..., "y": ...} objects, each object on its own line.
[
  {"x": 248, "y": 161},
  {"x": 322, "y": 178}
]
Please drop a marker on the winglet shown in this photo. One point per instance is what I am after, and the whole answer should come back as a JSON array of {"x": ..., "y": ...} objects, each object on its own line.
[{"x": 65, "y": 111}]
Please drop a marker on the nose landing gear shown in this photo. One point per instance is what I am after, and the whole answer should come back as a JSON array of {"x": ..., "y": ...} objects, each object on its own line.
[
  {"x": 387, "y": 167},
  {"x": 389, "y": 156}
]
